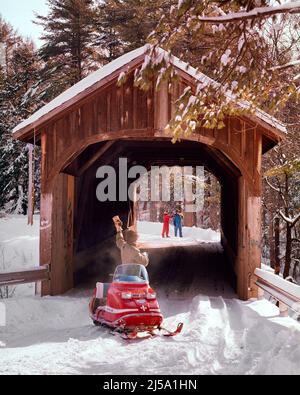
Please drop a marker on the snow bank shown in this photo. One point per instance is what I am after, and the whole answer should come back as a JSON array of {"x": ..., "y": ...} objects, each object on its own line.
[
  {"x": 54, "y": 335},
  {"x": 220, "y": 336},
  {"x": 291, "y": 288},
  {"x": 284, "y": 291},
  {"x": 19, "y": 247},
  {"x": 150, "y": 233},
  {"x": 267, "y": 268}
]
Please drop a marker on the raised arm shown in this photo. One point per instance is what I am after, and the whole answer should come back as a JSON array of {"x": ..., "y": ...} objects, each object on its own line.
[{"x": 120, "y": 242}]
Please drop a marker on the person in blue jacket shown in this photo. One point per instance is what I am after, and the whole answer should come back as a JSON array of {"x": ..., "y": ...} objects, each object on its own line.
[{"x": 177, "y": 220}]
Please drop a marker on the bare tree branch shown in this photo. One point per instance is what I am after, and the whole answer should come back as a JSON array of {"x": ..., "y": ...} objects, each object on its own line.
[
  {"x": 272, "y": 186},
  {"x": 286, "y": 65},
  {"x": 291, "y": 221}
]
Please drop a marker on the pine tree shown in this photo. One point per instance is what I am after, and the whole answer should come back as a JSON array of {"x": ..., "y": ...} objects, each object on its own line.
[
  {"x": 69, "y": 40},
  {"x": 126, "y": 24},
  {"x": 18, "y": 99}
]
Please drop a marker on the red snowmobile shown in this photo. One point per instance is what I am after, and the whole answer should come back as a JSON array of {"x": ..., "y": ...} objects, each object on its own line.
[{"x": 129, "y": 306}]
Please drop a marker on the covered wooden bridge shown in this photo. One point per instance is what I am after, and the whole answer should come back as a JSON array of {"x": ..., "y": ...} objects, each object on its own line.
[{"x": 95, "y": 123}]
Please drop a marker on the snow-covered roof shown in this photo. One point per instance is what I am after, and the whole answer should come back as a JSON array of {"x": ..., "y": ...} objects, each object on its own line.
[
  {"x": 112, "y": 67},
  {"x": 81, "y": 86}
]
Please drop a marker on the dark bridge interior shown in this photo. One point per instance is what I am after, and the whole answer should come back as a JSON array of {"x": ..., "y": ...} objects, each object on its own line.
[{"x": 95, "y": 251}]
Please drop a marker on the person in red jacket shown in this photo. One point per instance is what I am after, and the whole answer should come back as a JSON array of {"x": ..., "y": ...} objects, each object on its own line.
[{"x": 166, "y": 225}]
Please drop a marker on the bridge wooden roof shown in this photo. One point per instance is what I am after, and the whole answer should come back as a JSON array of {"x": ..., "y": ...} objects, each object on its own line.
[{"x": 77, "y": 94}]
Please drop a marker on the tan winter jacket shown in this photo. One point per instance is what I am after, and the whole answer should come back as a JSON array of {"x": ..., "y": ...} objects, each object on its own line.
[{"x": 129, "y": 253}]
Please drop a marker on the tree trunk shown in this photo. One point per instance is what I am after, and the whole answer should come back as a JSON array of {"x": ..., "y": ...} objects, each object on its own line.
[
  {"x": 153, "y": 212},
  {"x": 277, "y": 246},
  {"x": 288, "y": 245},
  {"x": 288, "y": 251},
  {"x": 271, "y": 244}
]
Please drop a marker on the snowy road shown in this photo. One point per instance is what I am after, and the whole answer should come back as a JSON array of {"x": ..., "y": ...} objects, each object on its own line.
[{"x": 220, "y": 336}]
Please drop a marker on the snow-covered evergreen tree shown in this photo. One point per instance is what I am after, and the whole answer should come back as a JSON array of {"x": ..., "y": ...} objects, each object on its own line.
[
  {"x": 126, "y": 24},
  {"x": 69, "y": 37},
  {"x": 18, "y": 99}
]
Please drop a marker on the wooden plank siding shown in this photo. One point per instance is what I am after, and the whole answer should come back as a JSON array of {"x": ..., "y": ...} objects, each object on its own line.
[{"x": 128, "y": 109}]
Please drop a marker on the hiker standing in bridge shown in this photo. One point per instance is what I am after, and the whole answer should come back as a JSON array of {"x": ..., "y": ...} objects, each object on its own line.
[
  {"x": 166, "y": 224},
  {"x": 178, "y": 217}
]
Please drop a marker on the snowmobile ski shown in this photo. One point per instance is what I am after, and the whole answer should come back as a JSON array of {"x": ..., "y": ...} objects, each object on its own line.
[
  {"x": 174, "y": 333},
  {"x": 142, "y": 335}
]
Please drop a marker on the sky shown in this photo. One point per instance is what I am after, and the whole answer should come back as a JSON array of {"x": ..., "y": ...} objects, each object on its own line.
[{"x": 20, "y": 13}]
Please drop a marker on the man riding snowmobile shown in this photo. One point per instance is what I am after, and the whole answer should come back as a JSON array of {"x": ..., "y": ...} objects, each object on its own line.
[
  {"x": 130, "y": 254},
  {"x": 127, "y": 245},
  {"x": 129, "y": 305}
]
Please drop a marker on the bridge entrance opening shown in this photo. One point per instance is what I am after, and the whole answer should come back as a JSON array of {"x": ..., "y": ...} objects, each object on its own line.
[{"x": 203, "y": 258}]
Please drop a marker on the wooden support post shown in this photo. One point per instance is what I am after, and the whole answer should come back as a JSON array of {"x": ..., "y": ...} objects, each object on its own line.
[
  {"x": 56, "y": 230},
  {"x": 242, "y": 238},
  {"x": 249, "y": 241},
  {"x": 249, "y": 228},
  {"x": 30, "y": 184},
  {"x": 161, "y": 115},
  {"x": 249, "y": 249},
  {"x": 45, "y": 238},
  {"x": 62, "y": 234},
  {"x": 254, "y": 242},
  {"x": 45, "y": 220}
]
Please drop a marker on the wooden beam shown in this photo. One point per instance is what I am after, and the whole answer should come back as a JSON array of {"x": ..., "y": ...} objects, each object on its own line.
[
  {"x": 223, "y": 161},
  {"x": 40, "y": 273},
  {"x": 95, "y": 157}
]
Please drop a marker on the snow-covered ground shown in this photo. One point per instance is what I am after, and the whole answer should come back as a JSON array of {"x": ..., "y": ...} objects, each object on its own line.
[
  {"x": 19, "y": 247},
  {"x": 150, "y": 235},
  {"x": 220, "y": 336}
]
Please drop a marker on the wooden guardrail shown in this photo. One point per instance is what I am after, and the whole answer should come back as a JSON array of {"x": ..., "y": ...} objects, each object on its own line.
[
  {"x": 34, "y": 275},
  {"x": 285, "y": 292}
]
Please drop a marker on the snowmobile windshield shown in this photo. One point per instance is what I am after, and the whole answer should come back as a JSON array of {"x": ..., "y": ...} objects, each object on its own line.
[{"x": 131, "y": 274}]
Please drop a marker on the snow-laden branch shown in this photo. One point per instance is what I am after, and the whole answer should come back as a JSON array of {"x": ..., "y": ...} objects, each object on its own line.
[
  {"x": 259, "y": 12},
  {"x": 272, "y": 186},
  {"x": 291, "y": 221},
  {"x": 286, "y": 65}
]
